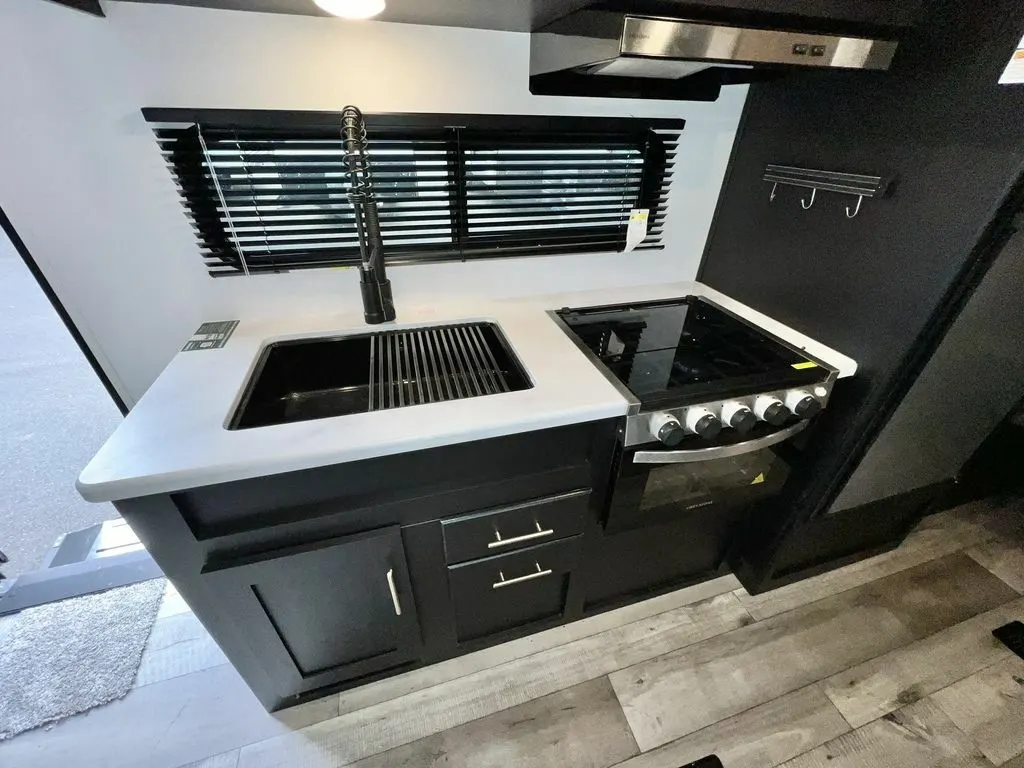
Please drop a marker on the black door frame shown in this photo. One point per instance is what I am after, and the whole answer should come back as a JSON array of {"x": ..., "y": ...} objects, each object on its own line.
[
  {"x": 88, "y": 6},
  {"x": 37, "y": 273}
]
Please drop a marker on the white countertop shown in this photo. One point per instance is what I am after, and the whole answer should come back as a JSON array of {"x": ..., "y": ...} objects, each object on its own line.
[{"x": 175, "y": 437}]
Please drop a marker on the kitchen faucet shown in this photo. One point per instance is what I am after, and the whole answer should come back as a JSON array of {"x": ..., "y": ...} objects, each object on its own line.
[{"x": 378, "y": 305}]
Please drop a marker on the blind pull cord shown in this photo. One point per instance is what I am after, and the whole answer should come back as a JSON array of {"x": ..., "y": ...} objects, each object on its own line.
[{"x": 223, "y": 202}]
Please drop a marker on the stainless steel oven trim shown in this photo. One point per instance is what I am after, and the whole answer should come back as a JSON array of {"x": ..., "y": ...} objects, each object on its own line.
[
  {"x": 632, "y": 400},
  {"x": 720, "y": 451},
  {"x": 638, "y": 427}
]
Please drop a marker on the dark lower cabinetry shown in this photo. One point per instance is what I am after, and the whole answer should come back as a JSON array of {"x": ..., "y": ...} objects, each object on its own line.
[
  {"x": 330, "y": 578},
  {"x": 513, "y": 591},
  {"x": 638, "y": 562},
  {"x": 323, "y": 612},
  {"x": 507, "y": 529}
]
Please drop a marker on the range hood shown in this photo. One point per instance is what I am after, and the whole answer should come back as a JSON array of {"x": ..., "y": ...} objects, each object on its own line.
[{"x": 610, "y": 53}]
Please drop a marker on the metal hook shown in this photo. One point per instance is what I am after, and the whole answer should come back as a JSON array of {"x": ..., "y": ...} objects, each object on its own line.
[
  {"x": 775, "y": 186},
  {"x": 807, "y": 205},
  {"x": 860, "y": 199}
]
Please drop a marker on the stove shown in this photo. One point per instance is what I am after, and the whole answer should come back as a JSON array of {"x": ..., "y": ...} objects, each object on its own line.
[{"x": 693, "y": 371}]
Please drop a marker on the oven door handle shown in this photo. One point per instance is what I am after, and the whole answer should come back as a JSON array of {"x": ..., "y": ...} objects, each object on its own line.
[{"x": 720, "y": 451}]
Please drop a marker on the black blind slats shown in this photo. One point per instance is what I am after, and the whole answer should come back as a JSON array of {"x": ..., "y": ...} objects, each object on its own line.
[
  {"x": 244, "y": 217},
  {"x": 543, "y": 181},
  {"x": 274, "y": 200},
  {"x": 266, "y": 199}
]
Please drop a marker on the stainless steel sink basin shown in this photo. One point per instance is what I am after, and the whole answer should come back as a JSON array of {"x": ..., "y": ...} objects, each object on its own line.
[{"x": 333, "y": 376}]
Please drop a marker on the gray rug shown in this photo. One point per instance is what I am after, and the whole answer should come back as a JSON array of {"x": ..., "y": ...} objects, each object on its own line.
[{"x": 67, "y": 657}]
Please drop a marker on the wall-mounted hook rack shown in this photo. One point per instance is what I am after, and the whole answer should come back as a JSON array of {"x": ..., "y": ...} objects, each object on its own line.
[
  {"x": 806, "y": 205},
  {"x": 857, "y": 184}
]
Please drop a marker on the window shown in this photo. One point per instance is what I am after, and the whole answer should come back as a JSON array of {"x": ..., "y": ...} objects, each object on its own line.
[{"x": 266, "y": 191}]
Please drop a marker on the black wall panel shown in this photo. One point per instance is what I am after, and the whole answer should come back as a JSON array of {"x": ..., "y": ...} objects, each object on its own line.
[{"x": 870, "y": 286}]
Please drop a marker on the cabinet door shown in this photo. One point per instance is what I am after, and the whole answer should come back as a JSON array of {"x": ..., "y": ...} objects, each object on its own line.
[{"x": 324, "y": 612}]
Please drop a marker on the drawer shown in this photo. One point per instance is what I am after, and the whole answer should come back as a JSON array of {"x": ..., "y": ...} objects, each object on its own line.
[
  {"x": 512, "y": 527},
  {"x": 500, "y": 593}
]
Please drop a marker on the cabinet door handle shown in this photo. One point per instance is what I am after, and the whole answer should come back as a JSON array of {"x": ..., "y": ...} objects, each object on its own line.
[
  {"x": 503, "y": 582},
  {"x": 394, "y": 592},
  {"x": 540, "y": 533}
]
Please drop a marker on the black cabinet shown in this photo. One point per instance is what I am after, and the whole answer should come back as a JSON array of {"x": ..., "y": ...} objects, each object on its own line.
[
  {"x": 324, "y": 612},
  {"x": 328, "y": 578},
  {"x": 511, "y": 591},
  {"x": 640, "y": 562},
  {"x": 506, "y": 529}
]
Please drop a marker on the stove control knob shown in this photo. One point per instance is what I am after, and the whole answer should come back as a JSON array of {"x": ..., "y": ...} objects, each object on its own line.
[
  {"x": 802, "y": 403},
  {"x": 738, "y": 416},
  {"x": 702, "y": 422},
  {"x": 667, "y": 429},
  {"x": 771, "y": 409}
]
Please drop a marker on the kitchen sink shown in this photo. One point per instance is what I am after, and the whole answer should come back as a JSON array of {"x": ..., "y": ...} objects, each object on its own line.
[{"x": 317, "y": 378}]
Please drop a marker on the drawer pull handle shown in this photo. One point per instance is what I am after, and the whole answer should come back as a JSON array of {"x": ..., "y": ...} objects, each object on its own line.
[
  {"x": 540, "y": 533},
  {"x": 520, "y": 579},
  {"x": 394, "y": 592}
]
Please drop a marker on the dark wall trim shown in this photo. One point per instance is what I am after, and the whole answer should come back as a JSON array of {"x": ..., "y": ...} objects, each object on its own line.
[
  {"x": 89, "y": 6},
  {"x": 284, "y": 119},
  {"x": 19, "y": 246}
]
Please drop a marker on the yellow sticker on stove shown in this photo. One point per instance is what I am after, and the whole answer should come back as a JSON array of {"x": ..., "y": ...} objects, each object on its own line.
[
  {"x": 804, "y": 365},
  {"x": 758, "y": 479}
]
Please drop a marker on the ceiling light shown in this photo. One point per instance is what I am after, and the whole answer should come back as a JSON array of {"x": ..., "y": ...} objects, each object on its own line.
[{"x": 352, "y": 9}]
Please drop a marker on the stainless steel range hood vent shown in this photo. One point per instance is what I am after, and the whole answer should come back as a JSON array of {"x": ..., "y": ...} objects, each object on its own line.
[{"x": 603, "y": 45}]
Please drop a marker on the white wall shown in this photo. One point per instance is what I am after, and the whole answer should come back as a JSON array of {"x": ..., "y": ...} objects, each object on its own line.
[{"x": 85, "y": 186}]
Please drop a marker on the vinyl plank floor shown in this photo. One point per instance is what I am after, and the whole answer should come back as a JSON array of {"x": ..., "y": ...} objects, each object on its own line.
[
  {"x": 445, "y": 671},
  {"x": 1004, "y": 558},
  {"x": 163, "y": 725},
  {"x": 223, "y": 760},
  {"x": 1002, "y": 518},
  {"x": 935, "y": 536},
  {"x": 989, "y": 707},
  {"x": 683, "y": 691},
  {"x": 917, "y": 736},
  {"x": 730, "y": 687},
  {"x": 761, "y": 737},
  {"x": 429, "y": 711},
  {"x": 903, "y": 676},
  {"x": 582, "y": 726},
  {"x": 172, "y": 604},
  {"x": 178, "y": 645}
]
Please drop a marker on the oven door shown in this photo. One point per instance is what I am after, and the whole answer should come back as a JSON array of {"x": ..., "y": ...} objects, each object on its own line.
[{"x": 658, "y": 485}]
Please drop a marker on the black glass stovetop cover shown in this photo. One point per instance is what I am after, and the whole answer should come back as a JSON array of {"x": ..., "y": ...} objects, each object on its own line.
[{"x": 687, "y": 350}]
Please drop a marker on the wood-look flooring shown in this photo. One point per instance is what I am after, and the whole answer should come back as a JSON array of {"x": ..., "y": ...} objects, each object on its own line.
[{"x": 887, "y": 662}]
